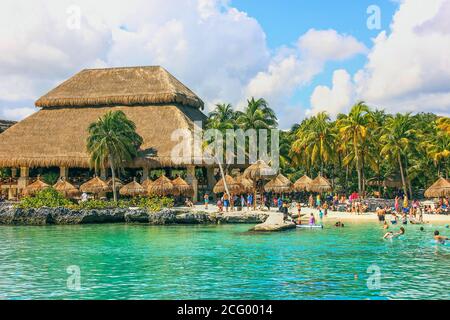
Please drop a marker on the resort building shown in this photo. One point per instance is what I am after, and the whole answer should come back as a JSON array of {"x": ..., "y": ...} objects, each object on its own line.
[{"x": 55, "y": 136}]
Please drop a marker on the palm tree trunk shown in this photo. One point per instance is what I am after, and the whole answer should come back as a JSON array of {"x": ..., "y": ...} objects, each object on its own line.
[
  {"x": 408, "y": 181},
  {"x": 223, "y": 179},
  {"x": 401, "y": 173},
  {"x": 113, "y": 177}
]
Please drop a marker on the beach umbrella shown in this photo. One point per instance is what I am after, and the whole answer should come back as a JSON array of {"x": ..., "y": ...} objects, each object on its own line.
[
  {"x": 183, "y": 187},
  {"x": 279, "y": 184},
  {"x": 320, "y": 185},
  {"x": 146, "y": 183},
  {"x": 95, "y": 185},
  {"x": 232, "y": 185},
  {"x": 259, "y": 171},
  {"x": 66, "y": 188},
  {"x": 441, "y": 188},
  {"x": 132, "y": 189},
  {"x": 246, "y": 184},
  {"x": 35, "y": 187},
  {"x": 302, "y": 184},
  {"x": 162, "y": 187}
]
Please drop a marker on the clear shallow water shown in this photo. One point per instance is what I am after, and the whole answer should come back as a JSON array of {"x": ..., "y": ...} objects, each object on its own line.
[{"x": 221, "y": 262}]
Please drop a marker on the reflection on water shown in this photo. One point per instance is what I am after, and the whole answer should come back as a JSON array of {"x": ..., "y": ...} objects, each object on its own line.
[{"x": 220, "y": 262}]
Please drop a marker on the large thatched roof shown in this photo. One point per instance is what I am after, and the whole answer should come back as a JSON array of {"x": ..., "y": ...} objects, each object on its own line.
[
  {"x": 127, "y": 86},
  {"x": 56, "y": 136},
  {"x": 259, "y": 171},
  {"x": 441, "y": 188}
]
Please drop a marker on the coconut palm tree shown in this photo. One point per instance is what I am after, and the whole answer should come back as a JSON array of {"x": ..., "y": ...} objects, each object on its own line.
[
  {"x": 353, "y": 129},
  {"x": 257, "y": 115},
  {"x": 396, "y": 139},
  {"x": 113, "y": 140}
]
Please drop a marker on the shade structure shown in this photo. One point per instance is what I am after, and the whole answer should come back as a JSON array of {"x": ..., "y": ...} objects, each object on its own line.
[
  {"x": 302, "y": 184},
  {"x": 119, "y": 183},
  {"x": 246, "y": 184},
  {"x": 183, "y": 187},
  {"x": 441, "y": 188},
  {"x": 233, "y": 186},
  {"x": 320, "y": 184},
  {"x": 66, "y": 188},
  {"x": 132, "y": 189},
  {"x": 162, "y": 187},
  {"x": 259, "y": 171},
  {"x": 95, "y": 185},
  {"x": 279, "y": 184},
  {"x": 35, "y": 187},
  {"x": 146, "y": 183},
  {"x": 391, "y": 182}
]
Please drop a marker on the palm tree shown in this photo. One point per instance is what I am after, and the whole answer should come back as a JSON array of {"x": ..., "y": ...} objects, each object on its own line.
[
  {"x": 314, "y": 141},
  {"x": 396, "y": 140},
  {"x": 257, "y": 115},
  {"x": 353, "y": 129},
  {"x": 113, "y": 140}
]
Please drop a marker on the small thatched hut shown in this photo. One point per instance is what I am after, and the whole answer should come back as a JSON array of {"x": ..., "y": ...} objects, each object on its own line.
[
  {"x": 279, "y": 184},
  {"x": 320, "y": 184},
  {"x": 132, "y": 189},
  {"x": 95, "y": 185},
  {"x": 35, "y": 187},
  {"x": 162, "y": 187},
  {"x": 246, "y": 184},
  {"x": 66, "y": 188},
  {"x": 233, "y": 186},
  {"x": 146, "y": 183},
  {"x": 302, "y": 184},
  {"x": 441, "y": 188},
  {"x": 182, "y": 187}
]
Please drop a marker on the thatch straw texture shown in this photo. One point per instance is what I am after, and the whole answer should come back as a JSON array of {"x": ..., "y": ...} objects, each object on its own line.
[
  {"x": 57, "y": 136},
  {"x": 35, "y": 187},
  {"x": 120, "y": 86},
  {"x": 132, "y": 189},
  {"x": 95, "y": 185},
  {"x": 162, "y": 187},
  {"x": 146, "y": 183},
  {"x": 441, "y": 188},
  {"x": 66, "y": 189},
  {"x": 233, "y": 186},
  {"x": 320, "y": 184},
  {"x": 279, "y": 184},
  {"x": 302, "y": 184},
  {"x": 119, "y": 183},
  {"x": 246, "y": 184},
  {"x": 259, "y": 171},
  {"x": 183, "y": 187}
]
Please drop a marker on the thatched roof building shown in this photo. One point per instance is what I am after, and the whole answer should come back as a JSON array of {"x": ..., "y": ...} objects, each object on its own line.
[
  {"x": 56, "y": 135},
  {"x": 441, "y": 188}
]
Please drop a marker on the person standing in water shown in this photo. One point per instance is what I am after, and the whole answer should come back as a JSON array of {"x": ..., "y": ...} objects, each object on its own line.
[
  {"x": 440, "y": 239},
  {"x": 206, "y": 200},
  {"x": 392, "y": 235},
  {"x": 312, "y": 220}
]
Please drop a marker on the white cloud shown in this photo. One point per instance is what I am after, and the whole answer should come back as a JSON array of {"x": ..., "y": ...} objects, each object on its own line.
[
  {"x": 336, "y": 99},
  {"x": 408, "y": 69},
  {"x": 17, "y": 113}
]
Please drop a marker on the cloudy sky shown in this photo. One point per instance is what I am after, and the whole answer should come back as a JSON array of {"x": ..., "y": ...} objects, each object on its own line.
[{"x": 302, "y": 56}]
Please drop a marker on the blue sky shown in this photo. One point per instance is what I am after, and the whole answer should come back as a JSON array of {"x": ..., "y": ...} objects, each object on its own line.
[{"x": 302, "y": 56}]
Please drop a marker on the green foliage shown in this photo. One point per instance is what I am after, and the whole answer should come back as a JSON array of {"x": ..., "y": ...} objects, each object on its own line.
[
  {"x": 50, "y": 178},
  {"x": 46, "y": 198}
]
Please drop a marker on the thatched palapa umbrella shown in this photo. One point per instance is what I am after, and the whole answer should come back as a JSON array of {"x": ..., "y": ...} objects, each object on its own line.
[
  {"x": 302, "y": 184},
  {"x": 66, "y": 188},
  {"x": 118, "y": 183},
  {"x": 279, "y": 184},
  {"x": 259, "y": 171},
  {"x": 95, "y": 185},
  {"x": 162, "y": 187},
  {"x": 146, "y": 183},
  {"x": 232, "y": 185},
  {"x": 246, "y": 184},
  {"x": 183, "y": 187},
  {"x": 132, "y": 189},
  {"x": 441, "y": 188},
  {"x": 35, "y": 187},
  {"x": 320, "y": 185}
]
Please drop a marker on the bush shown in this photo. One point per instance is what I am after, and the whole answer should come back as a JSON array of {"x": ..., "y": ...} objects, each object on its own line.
[{"x": 46, "y": 198}]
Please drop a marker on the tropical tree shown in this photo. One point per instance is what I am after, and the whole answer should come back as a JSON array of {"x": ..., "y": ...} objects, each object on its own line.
[
  {"x": 113, "y": 140},
  {"x": 257, "y": 115},
  {"x": 396, "y": 140},
  {"x": 353, "y": 129}
]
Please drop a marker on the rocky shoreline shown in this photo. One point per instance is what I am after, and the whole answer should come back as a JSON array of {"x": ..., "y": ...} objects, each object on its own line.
[{"x": 10, "y": 215}]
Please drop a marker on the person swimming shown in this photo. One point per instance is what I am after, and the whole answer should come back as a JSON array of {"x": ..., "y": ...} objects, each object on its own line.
[
  {"x": 440, "y": 239},
  {"x": 392, "y": 235},
  {"x": 385, "y": 225},
  {"x": 339, "y": 224}
]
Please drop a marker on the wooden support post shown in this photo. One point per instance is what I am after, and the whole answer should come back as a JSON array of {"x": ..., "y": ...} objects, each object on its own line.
[
  {"x": 144, "y": 174},
  {"x": 64, "y": 172},
  {"x": 192, "y": 180},
  {"x": 24, "y": 179}
]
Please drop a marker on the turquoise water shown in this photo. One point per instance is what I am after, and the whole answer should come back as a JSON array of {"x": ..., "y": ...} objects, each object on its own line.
[{"x": 221, "y": 262}]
